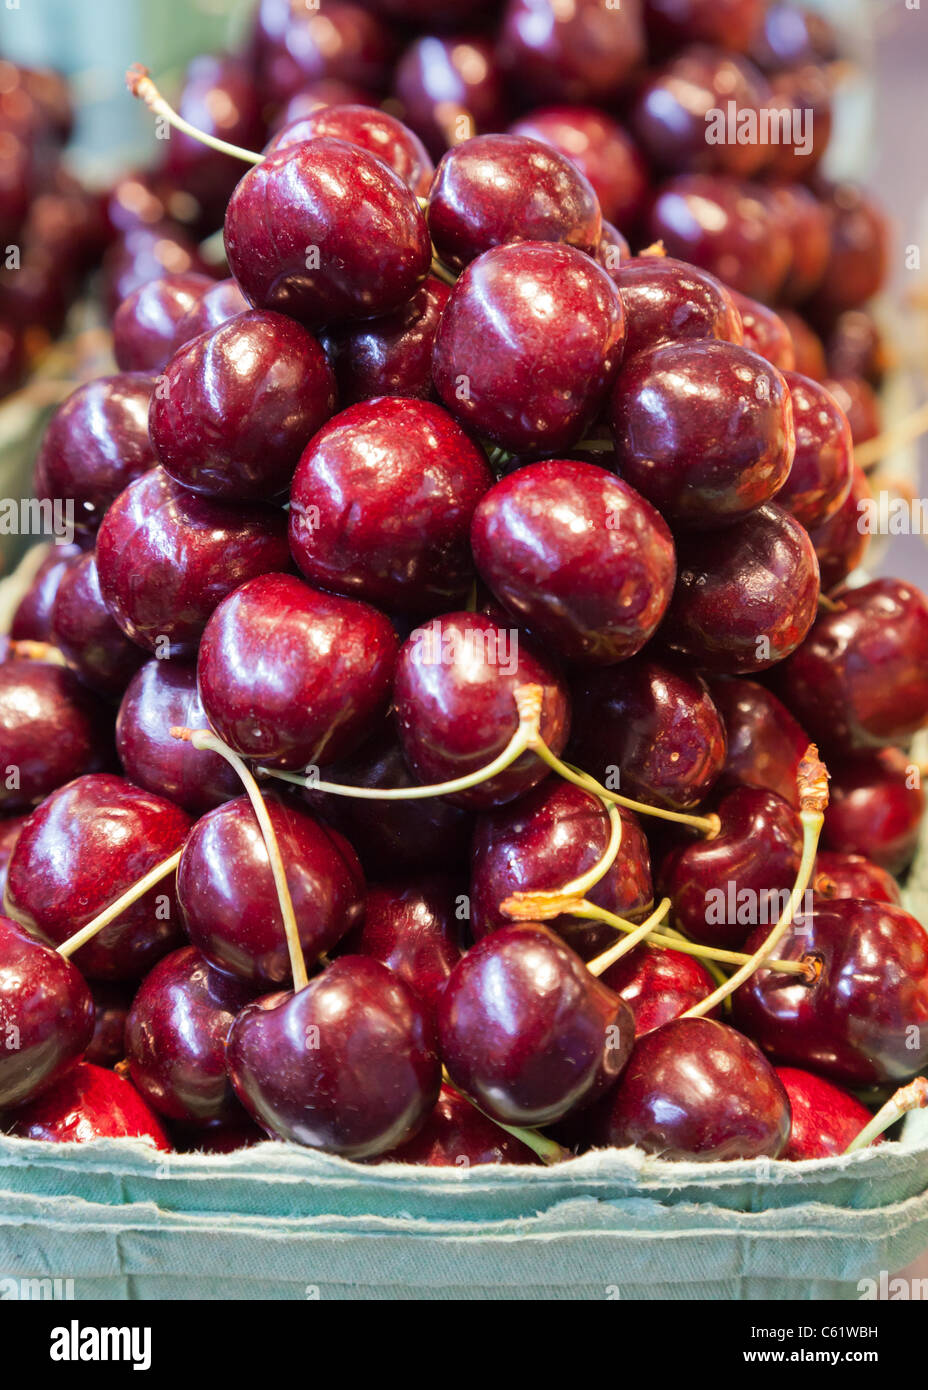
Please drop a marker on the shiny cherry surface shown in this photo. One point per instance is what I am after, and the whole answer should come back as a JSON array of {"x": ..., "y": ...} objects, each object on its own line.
[
  {"x": 31, "y": 620},
  {"x": 765, "y": 744},
  {"x": 221, "y": 302},
  {"x": 667, "y": 300},
  {"x": 840, "y": 542},
  {"x": 373, "y": 130},
  {"x": 411, "y": 927},
  {"x": 875, "y": 808},
  {"x": 823, "y": 466},
  {"x": 658, "y": 985},
  {"x": 576, "y": 53},
  {"x": 86, "y": 634},
  {"x": 389, "y": 356},
  {"x": 853, "y": 876},
  {"x": 111, "y": 1005},
  {"x": 601, "y": 150},
  {"x": 859, "y": 260},
  {"x": 825, "y": 1118},
  {"x": 146, "y": 325},
  {"x": 765, "y": 332},
  {"x": 450, "y": 88},
  {"x": 88, "y": 1103},
  {"x": 51, "y": 730}
]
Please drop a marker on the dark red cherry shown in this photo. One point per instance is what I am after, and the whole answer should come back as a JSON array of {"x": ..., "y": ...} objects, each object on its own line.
[
  {"x": 802, "y": 143},
  {"x": 581, "y": 52},
  {"x": 823, "y": 466},
  {"x": 501, "y": 364},
  {"x": 371, "y": 129},
  {"x": 413, "y": 928},
  {"x": 658, "y": 985},
  {"x": 325, "y": 231},
  {"x": 853, "y": 876},
  {"x": 95, "y": 444},
  {"x": 176, "y": 1039},
  {"x": 765, "y": 744},
  {"x": 864, "y": 1019},
  {"x": 84, "y": 631},
  {"x": 859, "y": 680},
  {"x": 859, "y": 261},
  {"x": 220, "y": 98},
  {"x": 51, "y": 730},
  {"x": 875, "y": 808},
  {"x": 85, "y": 846},
  {"x": 765, "y": 332},
  {"x": 731, "y": 23},
  {"x": 236, "y": 406},
  {"x": 547, "y": 838},
  {"x": 160, "y": 697},
  {"x": 696, "y": 1089},
  {"x": 166, "y": 558},
  {"x": 666, "y": 300},
  {"x": 704, "y": 430},
  {"x": 214, "y": 308},
  {"x": 225, "y": 888},
  {"x": 345, "y": 1065},
  {"x": 798, "y": 214},
  {"x": 825, "y": 1118},
  {"x": 454, "y": 694},
  {"x": 860, "y": 404},
  {"x": 296, "y": 46},
  {"x": 382, "y": 503},
  {"x": 527, "y": 1031},
  {"x": 31, "y": 620},
  {"x": 477, "y": 198},
  {"x": 147, "y": 324},
  {"x": 293, "y": 676},
  {"x": 456, "y": 1135},
  {"x": 148, "y": 251},
  {"x": 450, "y": 89},
  {"x": 601, "y": 150},
  {"x": 723, "y": 887},
  {"x": 111, "y": 1004},
  {"x": 787, "y": 36},
  {"x": 578, "y": 557},
  {"x": 217, "y": 1139},
  {"x": 856, "y": 347},
  {"x": 745, "y": 596},
  {"x": 10, "y": 827},
  {"x": 389, "y": 356},
  {"x": 808, "y": 346},
  {"x": 88, "y": 1104},
  {"x": 649, "y": 729},
  {"x": 46, "y": 1015}
]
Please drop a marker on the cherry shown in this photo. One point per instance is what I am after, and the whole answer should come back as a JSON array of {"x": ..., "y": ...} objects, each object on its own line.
[
  {"x": 166, "y": 558},
  {"x": 10, "y": 827},
  {"x": 527, "y": 1031},
  {"x": 578, "y": 557},
  {"x": 31, "y": 621},
  {"x": 856, "y": 347},
  {"x": 601, "y": 150},
  {"x": 667, "y": 300},
  {"x": 412, "y": 928},
  {"x": 221, "y": 302},
  {"x": 825, "y": 1118},
  {"x": 613, "y": 249},
  {"x": 219, "y": 97},
  {"x": 745, "y": 598},
  {"x": 85, "y": 633},
  {"x": 823, "y": 466},
  {"x": 807, "y": 89},
  {"x": 654, "y": 725},
  {"x": 550, "y": 836},
  {"x": 798, "y": 213},
  {"x": 457, "y": 1135},
  {"x": 238, "y": 404},
  {"x": 477, "y": 199},
  {"x": 732, "y": 23},
  {"x": 389, "y": 356},
  {"x": 449, "y": 89},
  {"x": 860, "y": 404},
  {"x": 722, "y": 887},
  {"x": 162, "y": 696},
  {"x": 765, "y": 744},
  {"x": 85, "y": 846},
  {"x": 696, "y": 1089},
  {"x": 95, "y": 444},
  {"x": 176, "y": 1039},
  {"x": 147, "y": 324},
  {"x": 577, "y": 53},
  {"x": 862, "y": 1021},
  {"x": 853, "y": 876},
  {"x": 876, "y": 808},
  {"x": 226, "y": 893},
  {"x": 809, "y": 349},
  {"x": 859, "y": 261},
  {"x": 51, "y": 730},
  {"x": 456, "y": 680},
  {"x": 498, "y": 364},
  {"x": 375, "y": 131},
  {"x": 345, "y": 1065},
  {"x": 658, "y": 985},
  {"x": 87, "y": 1104},
  {"x": 294, "y": 676},
  {"x": 382, "y": 502},
  {"x": 765, "y": 332},
  {"x": 704, "y": 430},
  {"x": 296, "y": 46},
  {"x": 840, "y": 543},
  {"x": 148, "y": 251},
  {"x": 47, "y": 1015},
  {"x": 324, "y": 231},
  {"x": 858, "y": 681},
  {"x": 787, "y": 36},
  {"x": 217, "y": 1139},
  {"x": 111, "y": 1004}
]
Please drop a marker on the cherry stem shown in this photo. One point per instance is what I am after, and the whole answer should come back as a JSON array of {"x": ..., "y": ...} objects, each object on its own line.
[
  {"x": 109, "y": 914},
  {"x": 141, "y": 85},
  {"x": 906, "y": 432},
  {"x": 634, "y": 938},
  {"x": 27, "y": 650},
  {"x": 206, "y": 741},
  {"x": 547, "y": 1149},
  {"x": 544, "y": 904},
  {"x": 911, "y": 1097}
]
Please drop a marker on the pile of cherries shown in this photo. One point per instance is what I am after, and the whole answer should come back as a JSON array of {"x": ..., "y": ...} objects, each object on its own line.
[{"x": 417, "y": 754}]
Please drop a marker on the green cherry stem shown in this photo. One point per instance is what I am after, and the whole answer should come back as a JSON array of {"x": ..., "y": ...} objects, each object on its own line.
[
  {"x": 545, "y": 904},
  {"x": 911, "y": 1097},
  {"x": 633, "y": 939},
  {"x": 125, "y": 900},
  {"x": 547, "y": 1150},
  {"x": 141, "y": 85}
]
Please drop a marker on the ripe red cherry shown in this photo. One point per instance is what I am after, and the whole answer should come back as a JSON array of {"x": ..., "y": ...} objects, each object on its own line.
[
  {"x": 454, "y": 694},
  {"x": 577, "y": 53},
  {"x": 371, "y": 129},
  {"x": 875, "y": 808},
  {"x": 51, "y": 730},
  {"x": 382, "y": 502},
  {"x": 787, "y": 37},
  {"x": 221, "y": 302},
  {"x": 652, "y": 724},
  {"x": 601, "y": 150},
  {"x": 527, "y": 1031},
  {"x": 46, "y": 1011},
  {"x": 658, "y": 985},
  {"x": 859, "y": 259},
  {"x": 823, "y": 466},
  {"x": 236, "y": 407},
  {"x": 412, "y": 928},
  {"x": 853, "y": 876},
  {"x": 220, "y": 98},
  {"x": 745, "y": 597},
  {"x": 477, "y": 198},
  {"x": 31, "y": 620},
  {"x": 345, "y": 1065},
  {"x": 87, "y": 1104},
  {"x": 859, "y": 681},
  {"x": 176, "y": 1039},
  {"x": 500, "y": 364},
  {"x": 825, "y": 1118},
  {"x": 860, "y": 404},
  {"x": 765, "y": 332},
  {"x": 864, "y": 1020},
  {"x": 10, "y": 827},
  {"x": 166, "y": 558},
  {"x": 696, "y": 1089},
  {"x": 667, "y": 300},
  {"x": 450, "y": 88},
  {"x": 798, "y": 214},
  {"x": 146, "y": 325},
  {"x": 765, "y": 744},
  {"x": 457, "y": 1135},
  {"x": 96, "y": 444},
  {"x": 840, "y": 543},
  {"x": 721, "y": 888},
  {"x": 160, "y": 697},
  {"x": 295, "y": 47},
  {"x": 808, "y": 89},
  {"x": 704, "y": 430},
  {"x": 111, "y": 1004},
  {"x": 226, "y": 893},
  {"x": 809, "y": 349},
  {"x": 147, "y": 251},
  {"x": 553, "y": 834},
  {"x": 733, "y": 23},
  {"x": 323, "y": 232},
  {"x": 294, "y": 676},
  {"x": 85, "y": 846},
  {"x": 389, "y": 356},
  {"x": 578, "y": 557},
  {"x": 84, "y": 631},
  {"x": 856, "y": 347}
]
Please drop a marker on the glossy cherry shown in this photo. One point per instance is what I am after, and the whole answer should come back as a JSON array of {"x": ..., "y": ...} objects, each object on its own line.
[
  {"x": 799, "y": 215},
  {"x": 732, "y": 23},
  {"x": 856, "y": 347},
  {"x": 765, "y": 332},
  {"x": 860, "y": 404},
  {"x": 823, "y": 466},
  {"x": 389, "y": 356},
  {"x": 875, "y": 808},
  {"x": 840, "y": 542},
  {"x": 147, "y": 324},
  {"x": 148, "y": 251},
  {"x": 577, "y": 53},
  {"x": 373, "y": 130},
  {"x": 853, "y": 876},
  {"x": 10, "y": 827},
  {"x": 111, "y": 1004},
  {"x": 86, "y": 634},
  {"x": 221, "y": 302},
  {"x": 450, "y": 89},
  {"x": 657, "y": 984},
  {"x": 51, "y": 730},
  {"x": 808, "y": 347},
  {"x": 295, "y": 46},
  {"x": 412, "y": 927},
  {"x": 825, "y": 1118},
  {"x": 457, "y": 1135},
  {"x": 859, "y": 260},
  {"x": 667, "y": 300},
  {"x": 765, "y": 744},
  {"x": 601, "y": 150},
  {"x": 88, "y": 1104}
]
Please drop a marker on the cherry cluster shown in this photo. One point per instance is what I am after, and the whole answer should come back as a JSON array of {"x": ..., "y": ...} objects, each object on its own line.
[{"x": 416, "y": 756}]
